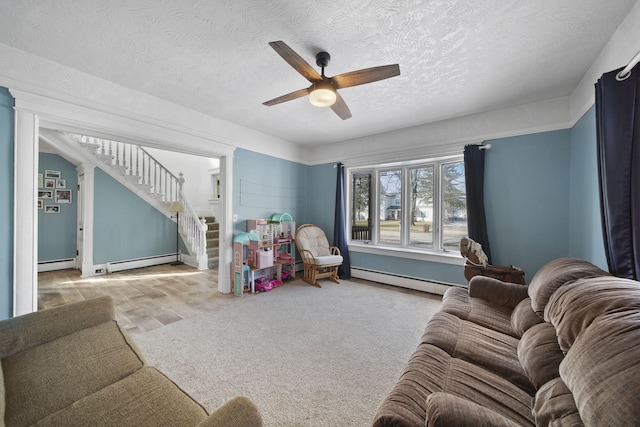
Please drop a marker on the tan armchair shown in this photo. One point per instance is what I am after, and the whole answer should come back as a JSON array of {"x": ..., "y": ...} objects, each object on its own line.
[
  {"x": 320, "y": 260},
  {"x": 477, "y": 264}
]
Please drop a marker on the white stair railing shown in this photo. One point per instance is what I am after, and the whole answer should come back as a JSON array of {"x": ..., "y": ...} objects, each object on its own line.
[
  {"x": 142, "y": 169},
  {"x": 136, "y": 164},
  {"x": 194, "y": 231}
]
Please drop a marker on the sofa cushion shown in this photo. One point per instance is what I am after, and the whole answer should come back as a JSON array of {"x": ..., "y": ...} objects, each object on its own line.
[
  {"x": 540, "y": 354},
  {"x": 444, "y": 409},
  {"x": 46, "y": 378},
  {"x": 602, "y": 370},
  {"x": 430, "y": 369},
  {"x": 144, "y": 398},
  {"x": 523, "y": 317},
  {"x": 554, "y": 405},
  {"x": 555, "y": 274},
  {"x": 457, "y": 301},
  {"x": 492, "y": 350},
  {"x": 30, "y": 330},
  {"x": 573, "y": 307}
]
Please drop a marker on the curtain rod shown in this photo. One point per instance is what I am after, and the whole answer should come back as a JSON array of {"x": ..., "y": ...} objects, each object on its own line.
[
  {"x": 626, "y": 72},
  {"x": 485, "y": 147}
]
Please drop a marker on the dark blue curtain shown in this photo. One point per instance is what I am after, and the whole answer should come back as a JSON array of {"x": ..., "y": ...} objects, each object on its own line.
[
  {"x": 474, "y": 181},
  {"x": 339, "y": 226},
  {"x": 618, "y": 133}
]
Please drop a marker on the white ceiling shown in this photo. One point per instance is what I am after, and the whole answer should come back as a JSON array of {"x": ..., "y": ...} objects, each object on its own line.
[{"x": 456, "y": 57}]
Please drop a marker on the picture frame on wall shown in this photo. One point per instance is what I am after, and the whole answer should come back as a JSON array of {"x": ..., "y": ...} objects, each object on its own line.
[
  {"x": 63, "y": 196},
  {"x": 45, "y": 194},
  {"x": 52, "y": 174},
  {"x": 61, "y": 183},
  {"x": 49, "y": 183},
  {"x": 40, "y": 203},
  {"x": 52, "y": 209}
]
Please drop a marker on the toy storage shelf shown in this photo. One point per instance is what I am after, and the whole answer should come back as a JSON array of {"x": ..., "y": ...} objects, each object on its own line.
[{"x": 268, "y": 244}]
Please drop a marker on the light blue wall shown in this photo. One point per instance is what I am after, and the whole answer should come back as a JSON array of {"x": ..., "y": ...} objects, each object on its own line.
[
  {"x": 6, "y": 203},
  {"x": 57, "y": 236},
  {"x": 263, "y": 185},
  {"x": 527, "y": 193},
  {"x": 585, "y": 239},
  {"x": 125, "y": 226},
  {"x": 322, "y": 185}
]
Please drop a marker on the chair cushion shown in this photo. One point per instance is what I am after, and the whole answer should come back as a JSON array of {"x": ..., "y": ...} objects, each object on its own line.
[
  {"x": 329, "y": 260},
  {"x": 314, "y": 240}
]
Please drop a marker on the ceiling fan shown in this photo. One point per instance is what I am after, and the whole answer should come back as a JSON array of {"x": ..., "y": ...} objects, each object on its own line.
[{"x": 323, "y": 91}]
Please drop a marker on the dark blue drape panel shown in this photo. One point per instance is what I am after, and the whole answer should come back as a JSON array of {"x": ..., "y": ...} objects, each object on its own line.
[
  {"x": 474, "y": 181},
  {"x": 618, "y": 131},
  {"x": 339, "y": 227}
]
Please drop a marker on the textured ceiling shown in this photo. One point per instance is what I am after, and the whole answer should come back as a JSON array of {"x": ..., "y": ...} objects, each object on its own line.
[{"x": 456, "y": 57}]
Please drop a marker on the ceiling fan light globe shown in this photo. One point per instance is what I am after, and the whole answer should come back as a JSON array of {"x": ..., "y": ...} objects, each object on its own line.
[{"x": 322, "y": 95}]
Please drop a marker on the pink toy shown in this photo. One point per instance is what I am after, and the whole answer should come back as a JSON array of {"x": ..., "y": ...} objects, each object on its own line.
[{"x": 263, "y": 284}]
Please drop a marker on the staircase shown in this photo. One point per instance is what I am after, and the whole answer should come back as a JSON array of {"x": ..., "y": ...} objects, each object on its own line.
[
  {"x": 144, "y": 175},
  {"x": 213, "y": 237}
]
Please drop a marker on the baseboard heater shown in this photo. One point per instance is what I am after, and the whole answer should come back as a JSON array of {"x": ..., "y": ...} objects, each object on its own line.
[
  {"x": 415, "y": 283},
  {"x": 130, "y": 264},
  {"x": 57, "y": 264}
]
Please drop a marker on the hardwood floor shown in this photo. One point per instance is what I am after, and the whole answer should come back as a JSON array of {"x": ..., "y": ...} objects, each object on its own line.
[{"x": 145, "y": 298}]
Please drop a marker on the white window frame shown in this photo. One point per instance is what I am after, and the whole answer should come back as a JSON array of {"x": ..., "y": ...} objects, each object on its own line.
[{"x": 437, "y": 253}]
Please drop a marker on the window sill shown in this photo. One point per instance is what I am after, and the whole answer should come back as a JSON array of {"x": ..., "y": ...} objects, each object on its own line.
[{"x": 431, "y": 256}]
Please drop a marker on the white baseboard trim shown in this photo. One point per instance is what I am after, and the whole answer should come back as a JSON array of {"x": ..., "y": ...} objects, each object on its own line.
[
  {"x": 137, "y": 263},
  {"x": 58, "y": 264},
  {"x": 424, "y": 285}
]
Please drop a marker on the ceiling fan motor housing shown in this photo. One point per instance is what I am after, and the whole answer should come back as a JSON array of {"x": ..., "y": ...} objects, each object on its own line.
[{"x": 322, "y": 59}]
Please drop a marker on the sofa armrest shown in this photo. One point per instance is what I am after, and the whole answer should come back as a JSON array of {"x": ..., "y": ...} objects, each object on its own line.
[
  {"x": 33, "y": 329},
  {"x": 444, "y": 409},
  {"x": 238, "y": 412},
  {"x": 496, "y": 291}
]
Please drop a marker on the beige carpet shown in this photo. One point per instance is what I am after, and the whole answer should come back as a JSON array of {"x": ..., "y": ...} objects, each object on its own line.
[{"x": 306, "y": 356}]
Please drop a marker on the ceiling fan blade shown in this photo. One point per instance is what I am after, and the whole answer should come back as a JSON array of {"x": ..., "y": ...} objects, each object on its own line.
[
  {"x": 367, "y": 75},
  {"x": 288, "y": 97},
  {"x": 296, "y": 61},
  {"x": 340, "y": 108}
]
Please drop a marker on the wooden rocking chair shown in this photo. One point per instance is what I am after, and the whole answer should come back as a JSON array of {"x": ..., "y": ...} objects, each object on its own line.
[{"x": 319, "y": 259}]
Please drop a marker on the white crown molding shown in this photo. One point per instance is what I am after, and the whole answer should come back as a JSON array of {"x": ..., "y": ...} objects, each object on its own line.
[{"x": 447, "y": 137}]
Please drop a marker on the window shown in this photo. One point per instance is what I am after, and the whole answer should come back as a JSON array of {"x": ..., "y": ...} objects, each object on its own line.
[{"x": 417, "y": 205}]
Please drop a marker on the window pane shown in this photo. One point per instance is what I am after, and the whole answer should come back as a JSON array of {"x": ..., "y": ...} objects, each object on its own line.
[
  {"x": 454, "y": 205},
  {"x": 390, "y": 206},
  {"x": 421, "y": 205},
  {"x": 361, "y": 206}
]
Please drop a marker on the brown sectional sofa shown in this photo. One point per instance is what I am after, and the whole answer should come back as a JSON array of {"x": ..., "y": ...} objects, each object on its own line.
[
  {"x": 564, "y": 351},
  {"x": 74, "y": 365}
]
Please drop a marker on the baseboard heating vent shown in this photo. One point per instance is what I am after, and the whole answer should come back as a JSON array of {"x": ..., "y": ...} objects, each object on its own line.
[
  {"x": 130, "y": 264},
  {"x": 415, "y": 283},
  {"x": 57, "y": 264}
]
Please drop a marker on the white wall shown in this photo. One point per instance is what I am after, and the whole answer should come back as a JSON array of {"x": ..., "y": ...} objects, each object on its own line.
[{"x": 196, "y": 173}]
